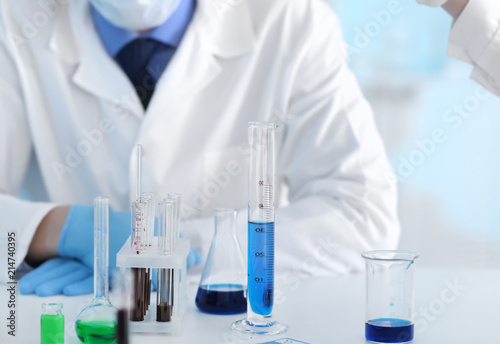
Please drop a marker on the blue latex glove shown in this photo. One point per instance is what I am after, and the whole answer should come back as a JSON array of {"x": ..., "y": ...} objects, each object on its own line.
[
  {"x": 194, "y": 258},
  {"x": 72, "y": 274},
  {"x": 77, "y": 236},
  {"x": 56, "y": 276},
  {"x": 76, "y": 246}
]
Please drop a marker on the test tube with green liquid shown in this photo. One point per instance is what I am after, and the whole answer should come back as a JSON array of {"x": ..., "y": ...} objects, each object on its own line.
[{"x": 52, "y": 324}]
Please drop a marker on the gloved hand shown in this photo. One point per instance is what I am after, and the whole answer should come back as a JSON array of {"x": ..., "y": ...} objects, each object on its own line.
[
  {"x": 56, "y": 276},
  {"x": 77, "y": 236},
  {"x": 194, "y": 258},
  {"x": 72, "y": 274}
]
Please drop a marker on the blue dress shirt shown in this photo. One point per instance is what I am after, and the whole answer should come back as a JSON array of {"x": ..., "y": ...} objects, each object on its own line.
[{"x": 169, "y": 33}]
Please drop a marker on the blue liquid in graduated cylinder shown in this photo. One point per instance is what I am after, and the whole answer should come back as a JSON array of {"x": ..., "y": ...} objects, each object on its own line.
[
  {"x": 221, "y": 299},
  {"x": 261, "y": 267},
  {"x": 389, "y": 330}
]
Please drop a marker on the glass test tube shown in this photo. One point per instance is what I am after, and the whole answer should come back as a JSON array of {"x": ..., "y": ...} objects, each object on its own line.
[
  {"x": 137, "y": 239},
  {"x": 261, "y": 183},
  {"x": 139, "y": 214},
  {"x": 149, "y": 198},
  {"x": 177, "y": 217},
  {"x": 174, "y": 237},
  {"x": 139, "y": 171},
  {"x": 101, "y": 244},
  {"x": 138, "y": 211},
  {"x": 122, "y": 291},
  {"x": 164, "y": 296}
]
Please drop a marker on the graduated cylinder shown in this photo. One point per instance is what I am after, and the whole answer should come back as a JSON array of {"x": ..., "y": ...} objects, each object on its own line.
[{"x": 261, "y": 184}]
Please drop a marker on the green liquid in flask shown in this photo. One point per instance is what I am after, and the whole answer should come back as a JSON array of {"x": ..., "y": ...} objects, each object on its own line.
[
  {"x": 96, "y": 331},
  {"x": 52, "y": 326}
]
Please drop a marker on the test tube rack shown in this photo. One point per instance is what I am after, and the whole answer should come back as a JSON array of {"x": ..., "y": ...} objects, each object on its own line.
[{"x": 153, "y": 258}]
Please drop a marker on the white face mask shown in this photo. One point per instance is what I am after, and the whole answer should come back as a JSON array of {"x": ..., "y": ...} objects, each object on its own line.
[{"x": 136, "y": 14}]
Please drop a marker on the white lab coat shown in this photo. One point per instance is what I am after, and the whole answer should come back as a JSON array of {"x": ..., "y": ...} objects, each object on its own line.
[
  {"x": 64, "y": 99},
  {"x": 475, "y": 39}
]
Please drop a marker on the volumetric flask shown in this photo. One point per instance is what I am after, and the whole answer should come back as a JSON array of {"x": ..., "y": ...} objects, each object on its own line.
[
  {"x": 96, "y": 324},
  {"x": 389, "y": 296},
  {"x": 223, "y": 282}
]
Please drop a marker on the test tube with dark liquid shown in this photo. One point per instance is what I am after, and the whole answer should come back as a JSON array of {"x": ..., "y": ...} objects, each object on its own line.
[
  {"x": 122, "y": 297},
  {"x": 138, "y": 310},
  {"x": 149, "y": 198},
  {"x": 165, "y": 294}
]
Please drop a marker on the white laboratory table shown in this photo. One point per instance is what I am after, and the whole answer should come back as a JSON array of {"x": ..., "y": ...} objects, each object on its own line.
[{"x": 453, "y": 306}]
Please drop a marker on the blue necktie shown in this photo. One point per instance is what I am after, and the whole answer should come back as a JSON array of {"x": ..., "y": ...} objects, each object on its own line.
[{"x": 135, "y": 58}]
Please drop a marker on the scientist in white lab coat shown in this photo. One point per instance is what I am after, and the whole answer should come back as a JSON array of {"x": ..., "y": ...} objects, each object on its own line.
[{"x": 83, "y": 81}]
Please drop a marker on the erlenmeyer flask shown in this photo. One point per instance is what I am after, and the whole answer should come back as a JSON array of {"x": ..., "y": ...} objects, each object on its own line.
[{"x": 222, "y": 287}]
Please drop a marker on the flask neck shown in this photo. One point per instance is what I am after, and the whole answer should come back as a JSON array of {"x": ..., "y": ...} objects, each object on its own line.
[
  {"x": 225, "y": 222},
  {"x": 101, "y": 247},
  {"x": 52, "y": 308}
]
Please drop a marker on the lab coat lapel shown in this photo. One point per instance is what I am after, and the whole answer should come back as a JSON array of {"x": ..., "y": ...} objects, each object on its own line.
[
  {"x": 226, "y": 28},
  {"x": 215, "y": 33},
  {"x": 212, "y": 36},
  {"x": 96, "y": 72},
  {"x": 191, "y": 70}
]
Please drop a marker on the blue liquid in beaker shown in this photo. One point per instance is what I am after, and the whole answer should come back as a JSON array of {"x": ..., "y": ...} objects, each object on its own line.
[
  {"x": 388, "y": 330},
  {"x": 261, "y": 267},
  {"x": 221, "y": 299}
]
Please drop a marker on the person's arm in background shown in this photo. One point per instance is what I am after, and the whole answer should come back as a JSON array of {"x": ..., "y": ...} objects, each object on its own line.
[
  {"x": 19, "y": 217},
  {"x": 44, "y": 233},
  {"x": 475, "y": 37},
  {"x": 44, "y": 244},
  {"x": 341, "y": 188},
  {"x": 455, "y": 7},
  {"x": 35, "y": 227}
]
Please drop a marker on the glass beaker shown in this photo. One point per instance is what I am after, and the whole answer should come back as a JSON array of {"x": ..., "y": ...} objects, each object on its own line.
[
  {"x": 389, "y": 296},
  {"x": 52, "y": 324},
  {"x": 222, "y": 288}
]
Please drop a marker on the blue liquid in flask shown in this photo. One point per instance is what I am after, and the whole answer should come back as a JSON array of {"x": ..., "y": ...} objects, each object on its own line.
[
  {"x": 261, "y": 267},
  {"x": 221, "y": 299},
  {"x": 389, "y": 330}
]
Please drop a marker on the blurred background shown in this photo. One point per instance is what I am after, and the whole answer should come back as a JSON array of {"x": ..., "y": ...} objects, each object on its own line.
[{"x": 441, "y": 129}]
